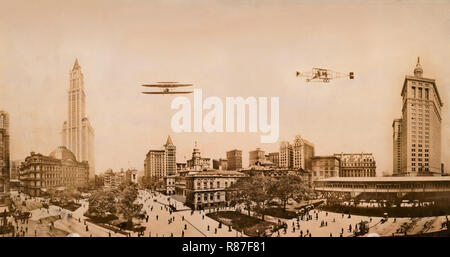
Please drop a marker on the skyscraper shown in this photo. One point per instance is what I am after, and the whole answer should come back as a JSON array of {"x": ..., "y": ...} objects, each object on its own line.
[
  {"x": 77, "y": 133},
  {"x": 234, "y": 158},
  {"x": 4, "y": 158},
  {"x": 171, "y": 161},
  {"x": 297, "y": 155},
  {"x": 302, "y": 151},
  {"x": 160, "y": 163},
  {"x": 420, "y": 126},
  {"x": 286, "y": 158},
  {"x": 155, "y": 166}
]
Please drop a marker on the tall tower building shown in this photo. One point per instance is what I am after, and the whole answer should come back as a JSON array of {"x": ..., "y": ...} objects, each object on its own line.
[
  {"x": 397, "y": 128},
  {"x": 171, "y": 161},
  {"x": 420, "y": 126},
  {"x": 4, "y": 159},
  {"x": 302, "y": 151},
  {"x": 155, "y": 165},
  {"x": 77, "y": 133},
  {"x": 286, "y": 155}
]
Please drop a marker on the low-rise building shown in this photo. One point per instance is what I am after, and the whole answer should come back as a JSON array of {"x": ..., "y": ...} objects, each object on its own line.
[
  {"x": 256, "y": 156},
  {"x": 39, "y": 173},
  {"x": 274, "y": 158},
  {"x": 325, "y": 167},
  {"x": 209, "y": 189},
  {"x": 197, "y": 162},
  {"x": 170, "y": 182},
  {"x": 356, "y": 165},
  {"x": 220, "y": 164},
  {"x": 132, "y": 176}
]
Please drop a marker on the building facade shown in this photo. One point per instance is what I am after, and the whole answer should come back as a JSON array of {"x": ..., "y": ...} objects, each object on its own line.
[
  {"x": 325, "y": 167},
  {"x": 209, "y": 189},
  {"x": 171, "y": 157},
  {"x": 132, "y": 176},
  {"x": 160, "y": 163},
  {"x": 302, "y": 152},
  {"x": 396, "y": 138},
  {"x": 274, "y": 158},
  {"x": 77, "y": 132},
  {"x": 181, "y": 166},
  {"x": 4, "y": 159},
  {"x": 113, "y": 179},
  {"x": 197, "y": 162},
  {"x": 234, "y": 158},
  {"x": 256, "y": 156},
  {"x": 39, "y": 173},
  {"x": 297, "y": 155},
  {"x": 15, "y": 169},
  {"x": 170, "y": 184},
  {"x": 356, "y": 165},
  {"x": 420, "y": 126},
  {"x": 286, "y": 155},
  {"x": 155, "y": 165},
  {"x": 220, "y": 164}
]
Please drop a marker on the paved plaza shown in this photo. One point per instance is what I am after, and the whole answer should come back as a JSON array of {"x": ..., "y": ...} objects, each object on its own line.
[{"x": 163, "y": 221}]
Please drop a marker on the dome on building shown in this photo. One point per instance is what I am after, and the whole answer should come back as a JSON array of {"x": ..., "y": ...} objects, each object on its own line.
[{"x": 63, "y": 153}]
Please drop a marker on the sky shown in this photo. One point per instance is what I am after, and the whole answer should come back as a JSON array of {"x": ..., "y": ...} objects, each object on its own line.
[{"x": 227, "y": 49}]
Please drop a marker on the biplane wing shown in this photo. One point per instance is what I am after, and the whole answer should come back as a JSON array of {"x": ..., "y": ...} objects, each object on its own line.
[
  {"x": 167, "y": 85},
  {"x": 167, "y": 93}
]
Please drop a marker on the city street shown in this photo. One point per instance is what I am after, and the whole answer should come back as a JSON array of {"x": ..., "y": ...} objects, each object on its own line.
[{"x": 196, "y": 223}]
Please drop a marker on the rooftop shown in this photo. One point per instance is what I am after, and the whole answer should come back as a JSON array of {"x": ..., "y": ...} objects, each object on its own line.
[{"x": 387, "y": 179}]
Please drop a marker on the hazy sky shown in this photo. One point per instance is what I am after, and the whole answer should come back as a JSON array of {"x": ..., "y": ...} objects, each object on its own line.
[{"x": 226, "y": 48}]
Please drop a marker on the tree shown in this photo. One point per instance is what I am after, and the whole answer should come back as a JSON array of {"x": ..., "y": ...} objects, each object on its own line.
[
  {"x": 125, "y": 204},
  {"x": 255, "y": 190},
  {"x": 290, "y": 187},
  {"x": 262, "y": 192},
  {"x": 101, "y": 203},
  {"x": 240, "y": 193}
]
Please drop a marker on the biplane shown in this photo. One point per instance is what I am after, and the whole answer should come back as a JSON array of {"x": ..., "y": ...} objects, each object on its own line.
[
  {"x": 323, "y": 75},
  {"x": 166, "y": 88}
]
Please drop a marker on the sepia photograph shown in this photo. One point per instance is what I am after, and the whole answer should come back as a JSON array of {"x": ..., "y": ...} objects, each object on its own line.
[{"x": 224, "y": 119}]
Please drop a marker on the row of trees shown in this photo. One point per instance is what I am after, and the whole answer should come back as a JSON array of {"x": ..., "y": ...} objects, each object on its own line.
[
  {"x": 120, "y": 202},
  {"x": 256, "y": 192}
]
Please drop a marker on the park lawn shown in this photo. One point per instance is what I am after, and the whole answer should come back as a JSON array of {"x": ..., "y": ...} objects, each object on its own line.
[
  {"x": 280, "y": 213},
  {"x": 242, "y": 222}
]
